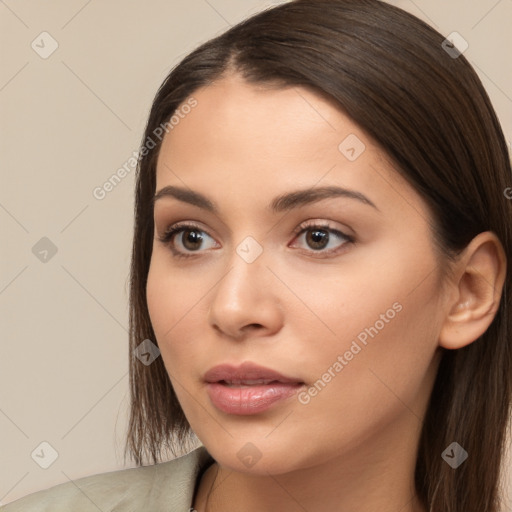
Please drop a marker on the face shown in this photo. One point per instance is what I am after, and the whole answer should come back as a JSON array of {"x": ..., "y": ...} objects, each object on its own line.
[{"x": 335, "y": 287}]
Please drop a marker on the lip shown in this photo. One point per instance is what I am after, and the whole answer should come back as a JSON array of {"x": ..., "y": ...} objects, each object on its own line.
[
  {"x": 246, "y": 371},
  {"x": 232, "y": 388}
]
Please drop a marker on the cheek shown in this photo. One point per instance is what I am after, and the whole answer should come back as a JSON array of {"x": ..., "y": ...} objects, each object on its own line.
[
  {"x": 177, "y": 304},
  {"x": 379, "y": 325},
  {"x": 378, "y": 375},
  {"x": 379, "y": 364}
]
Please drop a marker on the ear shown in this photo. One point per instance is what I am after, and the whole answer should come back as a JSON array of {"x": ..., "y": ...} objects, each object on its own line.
[{"x": 475, "y": 291}]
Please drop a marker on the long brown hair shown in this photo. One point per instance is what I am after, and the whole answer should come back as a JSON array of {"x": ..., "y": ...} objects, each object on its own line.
[{"x": 392, "y": 75}]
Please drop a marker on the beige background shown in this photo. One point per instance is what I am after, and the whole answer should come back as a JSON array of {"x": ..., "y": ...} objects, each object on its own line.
[{"x": 68, "y": 122}]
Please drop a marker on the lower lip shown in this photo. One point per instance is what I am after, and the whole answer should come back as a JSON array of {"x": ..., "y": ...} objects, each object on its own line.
[{"x": 249, "y": 399}]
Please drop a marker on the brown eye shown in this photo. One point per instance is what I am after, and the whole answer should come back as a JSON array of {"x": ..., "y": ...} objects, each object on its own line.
[
  {"x": 317, "y": 239},
  {"x": 186, "y": 239},
  {"x": 322, "y": 239},
  {"x": 191, "y": 239}
]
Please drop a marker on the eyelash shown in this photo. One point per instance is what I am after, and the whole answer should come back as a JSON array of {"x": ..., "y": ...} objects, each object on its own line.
[{"x": 172, "y": 231}]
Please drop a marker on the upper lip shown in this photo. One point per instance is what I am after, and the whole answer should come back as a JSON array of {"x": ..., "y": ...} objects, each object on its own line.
[{"x": 247, "y": 371}]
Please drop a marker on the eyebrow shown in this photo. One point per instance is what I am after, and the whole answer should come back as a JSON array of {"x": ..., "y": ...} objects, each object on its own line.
[{"x": 282, "y": 203}]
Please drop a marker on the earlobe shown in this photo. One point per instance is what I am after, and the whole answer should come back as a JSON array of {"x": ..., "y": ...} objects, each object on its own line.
[{"x": 478, "y": 285}]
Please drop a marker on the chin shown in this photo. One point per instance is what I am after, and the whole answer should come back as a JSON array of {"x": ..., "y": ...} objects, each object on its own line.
[{"x": 261, "y": 458}]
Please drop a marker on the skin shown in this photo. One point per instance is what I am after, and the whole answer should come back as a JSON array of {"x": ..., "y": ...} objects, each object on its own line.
[{"x": 296, "y": 308}]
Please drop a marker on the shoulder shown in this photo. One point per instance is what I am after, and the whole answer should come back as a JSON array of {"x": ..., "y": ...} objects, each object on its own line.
[{"x": 166, "y": 486}]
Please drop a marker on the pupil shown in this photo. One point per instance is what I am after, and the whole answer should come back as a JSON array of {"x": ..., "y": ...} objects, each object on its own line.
[
  {"x": 192, "y": 237},
  {"x": 318, "y": 239}
]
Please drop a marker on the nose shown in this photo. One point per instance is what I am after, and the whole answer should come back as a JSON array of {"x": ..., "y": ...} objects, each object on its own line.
[{"x": 245, "y": 302}]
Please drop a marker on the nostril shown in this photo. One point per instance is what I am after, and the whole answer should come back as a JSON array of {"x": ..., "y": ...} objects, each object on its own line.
[{"x": 252, "y": 327}]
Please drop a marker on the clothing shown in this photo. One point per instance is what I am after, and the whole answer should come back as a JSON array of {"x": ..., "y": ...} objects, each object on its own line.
[{"x": 164, "y": 487}]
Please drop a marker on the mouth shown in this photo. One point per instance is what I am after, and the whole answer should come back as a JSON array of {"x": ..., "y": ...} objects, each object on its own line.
[
  {"x": 249, "y": 388},
  {"x": 248, "y": 374},
  {"x": 250, "y": 382}
]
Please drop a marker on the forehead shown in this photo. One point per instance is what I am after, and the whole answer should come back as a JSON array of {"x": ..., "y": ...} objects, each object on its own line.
[
  {"x": 244, "y": 138},
  {"x": 232, "y": 115}
]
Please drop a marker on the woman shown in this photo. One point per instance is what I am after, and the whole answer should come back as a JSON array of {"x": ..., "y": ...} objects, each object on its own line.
[{"x": 322, "y": 233}]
